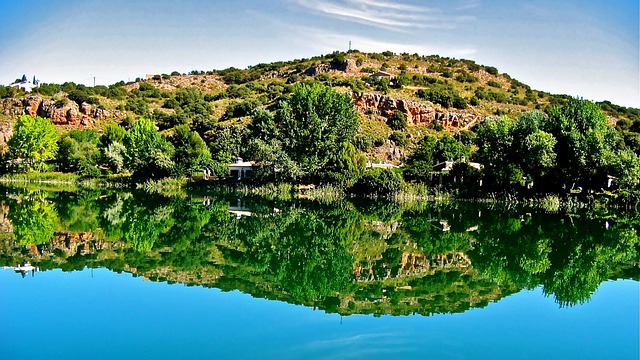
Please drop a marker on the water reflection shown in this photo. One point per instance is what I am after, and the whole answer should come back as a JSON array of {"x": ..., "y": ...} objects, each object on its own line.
[{"x": 348, "y": 257}]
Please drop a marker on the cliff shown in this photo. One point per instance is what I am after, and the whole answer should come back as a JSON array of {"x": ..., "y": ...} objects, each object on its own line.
[
  {"x": 67, "y": 114},
  {"x": 416, "y": 113}
]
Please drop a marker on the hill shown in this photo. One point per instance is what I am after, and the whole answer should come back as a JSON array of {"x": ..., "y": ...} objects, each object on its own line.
[{"x": 430, "y": 93}]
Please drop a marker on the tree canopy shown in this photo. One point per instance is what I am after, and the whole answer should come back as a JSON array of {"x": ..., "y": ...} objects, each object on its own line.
[
  {"x": 314, "y": 123},
  {"x": 34, "y": 140}
]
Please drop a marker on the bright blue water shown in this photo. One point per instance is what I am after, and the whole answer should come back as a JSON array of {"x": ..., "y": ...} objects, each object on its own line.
[{"x": 104, "y": 315}]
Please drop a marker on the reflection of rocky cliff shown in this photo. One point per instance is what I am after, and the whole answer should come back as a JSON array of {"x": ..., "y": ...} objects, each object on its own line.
[
  {"x": 350, "y": 259},
  {"x": 441, "y": 284}
]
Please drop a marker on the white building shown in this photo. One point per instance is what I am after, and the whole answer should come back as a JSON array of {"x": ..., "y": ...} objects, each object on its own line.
[
  {"x": 241, "y": 169},
  {"x": 25, "y": 85}
]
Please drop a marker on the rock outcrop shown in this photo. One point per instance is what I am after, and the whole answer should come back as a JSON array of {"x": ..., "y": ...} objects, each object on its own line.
[
  {"x": 6, "y": 130},
  {"x": 68, "y": 114},
  {"x": 416, "y": 113}
]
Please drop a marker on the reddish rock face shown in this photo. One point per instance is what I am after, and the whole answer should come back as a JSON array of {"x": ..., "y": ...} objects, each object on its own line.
[
  {"x": 85, "y": 108},
  {"x": 416, "y": 113},
  {"x": 350, "y": 66},
  {"x": 31, "y": 105},
  {"x": 69, "y": 114}
]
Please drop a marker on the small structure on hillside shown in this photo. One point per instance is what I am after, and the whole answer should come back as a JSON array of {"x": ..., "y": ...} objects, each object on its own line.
[
  {"x": 241, "y": 169},
  {"x": 383, "y": 75},
  {"x": 382, "y": 165},
  {"x": 25, "y": 85}
]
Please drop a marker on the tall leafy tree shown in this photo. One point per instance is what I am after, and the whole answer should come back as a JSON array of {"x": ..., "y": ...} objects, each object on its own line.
[
  {"x": 34, "y": 140},
  {"x": 147, "y": 154},
  {"x": 314, "y": 122},
  {"x": 191, "y": 153},
  {"x": 78, "y": 151},
  {"x": 585, "y": 142},
  {"x": 420, "y": 162}
]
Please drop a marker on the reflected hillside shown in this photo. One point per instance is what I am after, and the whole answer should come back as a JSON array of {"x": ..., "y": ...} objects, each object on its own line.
[{"x": 349, "y": 258}]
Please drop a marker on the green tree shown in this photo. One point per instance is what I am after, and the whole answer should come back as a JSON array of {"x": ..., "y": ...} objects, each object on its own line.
[
  {"x": 263, "y": 126},
  {"x": 112, "y": 133},
  {"x": 346, "y": 165},
  {"x": 397, "y": 121},
  {"x": 420, "y": 163},
  {"x": 585, "y": 142},
  {"x": 449, "y": 149},
  {"x": 34, "y": 140},
  {"x": 191, "y": 153},
  {"x": 313, "y": 123},
  {"x": 147, "y": 154},
  {"x": 78, "y": 151},
  {"x": 271, "y": 162},
  {"x": 377, "y": 181},
  {"x": 114, "y": 155}
]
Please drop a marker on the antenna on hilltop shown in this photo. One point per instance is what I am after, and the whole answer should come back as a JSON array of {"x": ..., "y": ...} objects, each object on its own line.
[{"x": 349, "y": 45}]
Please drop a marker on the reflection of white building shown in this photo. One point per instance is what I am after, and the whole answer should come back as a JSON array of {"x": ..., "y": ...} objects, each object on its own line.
[
  {"x": 25, "y": 85},
  {"x": 241, "y": 169},
  {"x": 23, "y": 269}
]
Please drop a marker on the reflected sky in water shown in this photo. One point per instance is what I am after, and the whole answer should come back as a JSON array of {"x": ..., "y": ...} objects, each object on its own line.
[{"x": 102, "y": 314}]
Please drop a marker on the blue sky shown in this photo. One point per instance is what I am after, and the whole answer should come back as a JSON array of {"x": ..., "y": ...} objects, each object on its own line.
[{"x": 585, "y": 48}]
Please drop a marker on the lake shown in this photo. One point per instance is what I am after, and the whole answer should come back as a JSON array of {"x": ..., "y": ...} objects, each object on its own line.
[{"x": 130, "y": 275}]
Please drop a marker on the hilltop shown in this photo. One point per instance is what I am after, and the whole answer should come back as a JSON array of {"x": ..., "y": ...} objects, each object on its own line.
[{"x": 432, "y": 92}]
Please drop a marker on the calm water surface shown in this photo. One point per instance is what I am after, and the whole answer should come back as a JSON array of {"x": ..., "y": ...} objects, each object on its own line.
[{"x": 135, "y": 276}]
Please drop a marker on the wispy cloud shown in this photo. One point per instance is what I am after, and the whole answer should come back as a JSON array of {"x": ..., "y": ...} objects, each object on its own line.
[
  {"x": 330, "y": 41},
  {"x": 389, "y": 15}
]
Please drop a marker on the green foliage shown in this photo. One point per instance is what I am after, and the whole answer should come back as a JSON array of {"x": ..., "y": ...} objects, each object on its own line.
[
  {"x": 191, "y": 153},
  {"x": 34, "y": 221},
  {"x": 314, "y": 122},
  {"x": 420, "y": 163},
  {"x": 263, "y": 126},
  {"x": 449, "y": 149},
  {"x": 78, "y": 152},
  {"x": 114, "y": 155},
  {"x": 491, "y": 70},
  {"x": 47, "y": 89},
  {"x": 447, "y": 97},
  {"x": 397, "y": 121},
  {"x": 585, "y": 143},
  {"x": 377, "y": 181},
  {"x": 147, "y": 154},
  {"x": 272, "y": 163},
  {"x": 242, "y": 108},
  {"x": 112, "y": 133},
  {"x": 431, "y": 151},
  {"x": 346, "y": 166},
  {"x": 226, "y": 143},
  {"x": 137, "y": 106},
  {"x": 399, "y": 138},
  {"x": 34, "y": 140}
]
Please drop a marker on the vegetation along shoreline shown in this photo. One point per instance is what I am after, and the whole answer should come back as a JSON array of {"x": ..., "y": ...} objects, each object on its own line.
[{"x": 396, "y": 126}]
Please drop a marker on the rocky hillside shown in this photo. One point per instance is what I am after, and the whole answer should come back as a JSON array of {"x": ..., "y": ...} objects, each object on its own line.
[{"x": 431, "y": 92}]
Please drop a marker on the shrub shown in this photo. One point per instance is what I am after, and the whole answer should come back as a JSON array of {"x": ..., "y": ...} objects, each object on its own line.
[
  {"x": 491, "y": 70},
  {"x": 377, "y": 181},
  {"x": 399, "y": 138},
  {"x": 397, "y": 121},
  {"x": 363, "y": 142},
  {"x": 242, "y": 108}
]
